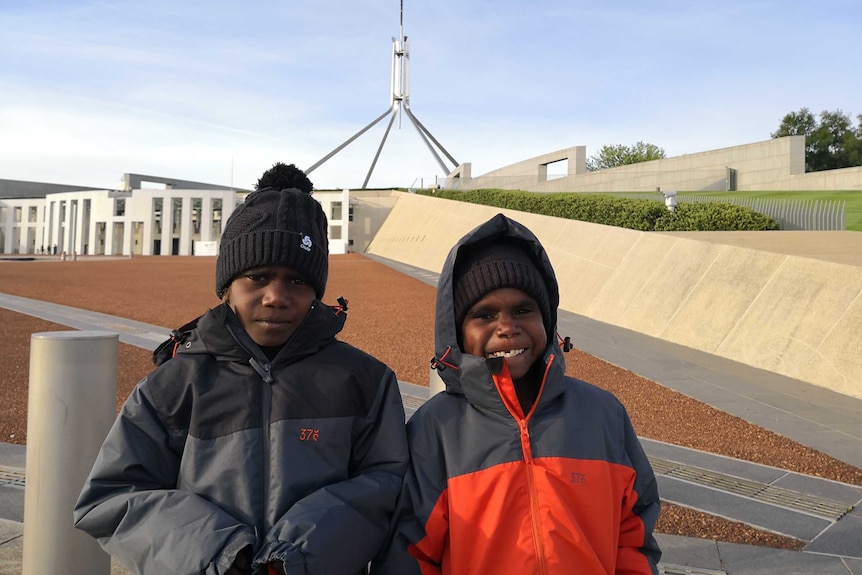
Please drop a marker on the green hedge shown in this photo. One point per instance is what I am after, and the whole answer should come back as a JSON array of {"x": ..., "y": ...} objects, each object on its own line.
[{"x": 635, "y": 214}]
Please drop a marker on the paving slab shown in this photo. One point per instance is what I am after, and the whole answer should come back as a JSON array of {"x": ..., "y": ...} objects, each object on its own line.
[
  {"x": 12, "y": 503},
  {"x": 720, "y": 463},
  {"x": 751, "y": 560},
  {"x": 688, "y": 551},
  {"x": 842, "y": 538}
]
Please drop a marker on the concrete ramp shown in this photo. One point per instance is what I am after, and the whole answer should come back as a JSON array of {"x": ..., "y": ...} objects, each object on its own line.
[{"x": 797, "y": 316}]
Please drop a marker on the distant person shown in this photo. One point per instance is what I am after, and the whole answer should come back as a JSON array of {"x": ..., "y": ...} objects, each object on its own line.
[
  {"x": 264, "y": 445},
  {"x": 517, "y": 468}
]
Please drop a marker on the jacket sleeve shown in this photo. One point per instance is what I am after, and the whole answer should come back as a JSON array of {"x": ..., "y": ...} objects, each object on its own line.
[
  {"x": 638, "y": 552},
  {"x": 420, "y": 529},
  {"x": 130, "y": 503},
  {"x": 339, "y": 527}
]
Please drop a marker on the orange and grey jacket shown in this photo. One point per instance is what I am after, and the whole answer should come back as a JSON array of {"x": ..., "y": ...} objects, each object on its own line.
[{"x": 565, "y": 488}]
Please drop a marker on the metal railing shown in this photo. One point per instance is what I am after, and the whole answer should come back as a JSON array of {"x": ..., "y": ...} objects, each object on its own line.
[
  {"x": 810, "y": 215},
  {"x": 790, "y": 214}
]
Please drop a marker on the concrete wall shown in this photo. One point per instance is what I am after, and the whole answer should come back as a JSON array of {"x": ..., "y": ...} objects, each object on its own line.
[
  {"x": 796, "y": 316},
  {"x": 370, "y": 209},
  {"x": 777, "y": 164}
]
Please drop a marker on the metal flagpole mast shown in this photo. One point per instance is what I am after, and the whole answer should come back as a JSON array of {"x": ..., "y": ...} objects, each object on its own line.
[{"x": 399, "y": 100}]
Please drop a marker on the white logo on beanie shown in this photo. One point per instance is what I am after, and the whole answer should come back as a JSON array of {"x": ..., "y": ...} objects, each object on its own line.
[{"x": 306, "y": 243}]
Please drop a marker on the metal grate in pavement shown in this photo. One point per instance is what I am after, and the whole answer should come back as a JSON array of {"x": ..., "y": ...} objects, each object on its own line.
[
  {"x": 669, "y": 569},
  {"x": 786, "y": 498},
  {"x": 411, "y": 401},
  {"x": 10, "y": 477}
]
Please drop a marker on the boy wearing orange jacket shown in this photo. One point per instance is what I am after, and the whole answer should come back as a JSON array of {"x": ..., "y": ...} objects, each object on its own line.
[{"x": 517, "y": 468}]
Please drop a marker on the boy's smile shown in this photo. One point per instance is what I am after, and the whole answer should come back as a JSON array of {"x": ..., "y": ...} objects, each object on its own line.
[
  {"x": 506, "y": 323},
  {"x": 270, "y": 302}
]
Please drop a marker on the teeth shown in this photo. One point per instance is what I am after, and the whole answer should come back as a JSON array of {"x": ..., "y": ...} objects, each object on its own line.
[{"x": 509, "y": 353}]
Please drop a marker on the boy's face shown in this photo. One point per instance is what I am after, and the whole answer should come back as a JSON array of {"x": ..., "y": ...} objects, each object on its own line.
[
  {"x": 270, "y": 302},
  {"x": 506, "y": 323}
]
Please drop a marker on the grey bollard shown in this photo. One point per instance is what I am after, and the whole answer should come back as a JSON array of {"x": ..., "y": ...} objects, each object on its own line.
[{"x": 71, "y": 406}]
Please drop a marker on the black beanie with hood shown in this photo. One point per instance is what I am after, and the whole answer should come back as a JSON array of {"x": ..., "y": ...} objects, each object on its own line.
[{"x": 499, "y": 264}]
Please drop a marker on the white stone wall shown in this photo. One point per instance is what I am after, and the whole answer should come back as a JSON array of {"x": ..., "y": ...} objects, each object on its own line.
[{"x": 18, "y": 233}]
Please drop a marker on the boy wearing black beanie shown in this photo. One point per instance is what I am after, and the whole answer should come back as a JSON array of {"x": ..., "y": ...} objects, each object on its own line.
[
  {"x": 516, "y": 468},
  {"x": 260, "y": 444}
]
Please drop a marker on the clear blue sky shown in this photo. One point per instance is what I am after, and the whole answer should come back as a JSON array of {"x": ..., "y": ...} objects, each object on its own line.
[{"x": 218, "y": 91}]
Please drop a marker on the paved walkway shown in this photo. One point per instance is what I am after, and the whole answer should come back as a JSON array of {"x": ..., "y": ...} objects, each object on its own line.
[{"x": 825, "y": 513}]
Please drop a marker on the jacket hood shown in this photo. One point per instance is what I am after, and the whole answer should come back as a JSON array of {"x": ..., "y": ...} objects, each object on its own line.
[{"x": 448, "y": 357}]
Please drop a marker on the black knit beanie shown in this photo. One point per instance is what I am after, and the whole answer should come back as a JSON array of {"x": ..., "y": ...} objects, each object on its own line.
[
  {"x": 487, "y": 267},
  {"x": 271, "y": 227}
]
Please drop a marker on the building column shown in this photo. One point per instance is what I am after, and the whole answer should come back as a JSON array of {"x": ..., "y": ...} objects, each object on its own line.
[
  {"x": 167, "y": 224},
  {"x": 186, "y": 227},
  {"x": 207, "y": 218}
]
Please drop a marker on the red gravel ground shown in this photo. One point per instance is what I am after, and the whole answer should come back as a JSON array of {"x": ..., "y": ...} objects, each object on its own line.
[{"x": 391, "y": 316}]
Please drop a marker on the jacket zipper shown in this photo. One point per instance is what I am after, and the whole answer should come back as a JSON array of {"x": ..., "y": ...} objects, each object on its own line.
[
  {"x": 534, "y": 501},
  {"x": 523, "y": 424},
  {"x": 263, "y": 369}
]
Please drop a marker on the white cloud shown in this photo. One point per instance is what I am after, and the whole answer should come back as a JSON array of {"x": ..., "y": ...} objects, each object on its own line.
[{"x": 220, "y": 90}]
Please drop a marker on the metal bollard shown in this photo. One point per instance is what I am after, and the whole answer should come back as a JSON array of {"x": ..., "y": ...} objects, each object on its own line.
[
  {"x": 71, "y": 406},
  {"x": 435, "y": 383}
]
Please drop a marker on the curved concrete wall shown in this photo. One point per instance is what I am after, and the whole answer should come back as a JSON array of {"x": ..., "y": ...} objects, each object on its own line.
[
  {"x": 796, "y": 316},
  {"x": 777, "y": 164}
]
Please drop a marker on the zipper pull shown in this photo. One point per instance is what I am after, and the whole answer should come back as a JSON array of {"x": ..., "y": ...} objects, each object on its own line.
[{"x": 262, "y": 370}]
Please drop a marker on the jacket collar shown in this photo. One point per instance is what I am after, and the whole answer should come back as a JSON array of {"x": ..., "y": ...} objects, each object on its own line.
[{"x": 220, "y": 334}]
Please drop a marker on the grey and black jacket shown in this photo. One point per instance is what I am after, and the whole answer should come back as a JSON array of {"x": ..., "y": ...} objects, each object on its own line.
[{"x": 301, "y": 458}]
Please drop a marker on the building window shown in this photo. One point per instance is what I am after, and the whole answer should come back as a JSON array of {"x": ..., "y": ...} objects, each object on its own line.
[
  {"x": 335, "y": 211},
  {"x": 157, "y": 216},
  {"x": 216, "y": 221},
  {"x": 197, "y": 204},
  {"x": 178, "y": 215},
  {"x": 350, "y": 214},
  {"x": 335, "y": 232},
  {"x": 120, "y": 206},
  {"x": 33, "y": 214},
  {"x": 17, "y": 216}
]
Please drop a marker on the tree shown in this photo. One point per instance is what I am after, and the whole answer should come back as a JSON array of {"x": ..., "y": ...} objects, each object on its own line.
[
  {"x": 282, "y": 176},
  {"x": 622, "y": 155},
  {"x": 830, "y": 142}
]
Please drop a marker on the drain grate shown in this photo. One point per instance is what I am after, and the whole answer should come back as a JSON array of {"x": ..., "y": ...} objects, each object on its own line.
[
  {"x": 665, "y": 569},
  {"x": 411, "y": 401},
  {"x": 11, "y": 477},
  {"x": 795, "y": 500}
]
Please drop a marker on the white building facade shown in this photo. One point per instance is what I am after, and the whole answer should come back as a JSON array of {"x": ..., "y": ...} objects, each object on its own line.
[{"x": 141, "y": 222}]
